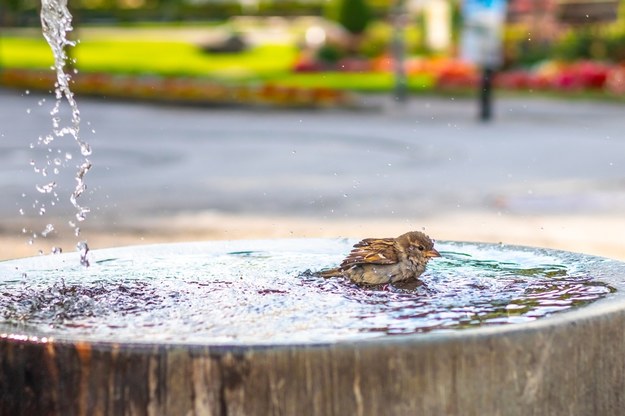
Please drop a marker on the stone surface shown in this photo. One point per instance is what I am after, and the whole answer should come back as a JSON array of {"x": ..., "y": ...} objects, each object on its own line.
[{"x": 568, "y": 366}]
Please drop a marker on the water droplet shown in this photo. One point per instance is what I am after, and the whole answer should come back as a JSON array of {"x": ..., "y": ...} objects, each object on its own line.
[
  {"x": 57, "y": 250},
  {"x": 27, "y": 92},
  {"x": 83, "y": 249},
  {"x": 47, "y": 188},
  {"x": 49, "y": 228},
  {"x": 21, "y": 211},
  {"x": 85, "y": 149},
  {"x": 28, "y": 111},
  {"x": 68, "y": 156}
]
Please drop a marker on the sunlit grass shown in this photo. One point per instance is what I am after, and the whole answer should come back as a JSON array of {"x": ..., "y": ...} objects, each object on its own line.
[
  {"x": 25, "y": 53},
  {"x": 366, "y": 82},
  {"x": 147, "y": 57},
  {"x": 178, "y": 58}
]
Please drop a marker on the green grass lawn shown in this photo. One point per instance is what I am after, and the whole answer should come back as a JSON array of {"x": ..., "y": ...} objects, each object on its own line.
[
  {"x": 27, "y": 53},
  {"x": 271, "y": 62},
  {"x": 365, "y": 82},
  {"x": 149, "y": 57}
]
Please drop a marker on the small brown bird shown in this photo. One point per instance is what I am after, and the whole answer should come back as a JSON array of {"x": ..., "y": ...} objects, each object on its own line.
[{"x": 375, "y": 261}]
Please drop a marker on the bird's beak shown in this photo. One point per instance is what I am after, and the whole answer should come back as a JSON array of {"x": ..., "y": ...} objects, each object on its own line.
[{"x": 432, "y": 253}]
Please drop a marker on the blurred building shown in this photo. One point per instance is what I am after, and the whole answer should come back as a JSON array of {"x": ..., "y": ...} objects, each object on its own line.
[
  {"x": 548, "y": 17},
  {"x": 540, "y": 17}
]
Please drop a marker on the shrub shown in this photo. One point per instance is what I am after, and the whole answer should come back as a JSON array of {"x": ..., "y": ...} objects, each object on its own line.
[
  {"x": 354, "y": 15},
  {"x": 329, "y": 54}
]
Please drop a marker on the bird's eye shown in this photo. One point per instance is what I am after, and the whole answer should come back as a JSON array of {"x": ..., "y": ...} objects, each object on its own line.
[{"x": 421, "y": 248}]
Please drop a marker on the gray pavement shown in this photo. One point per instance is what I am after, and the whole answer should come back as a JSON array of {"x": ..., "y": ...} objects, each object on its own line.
[{"x": 431, "y": 157}]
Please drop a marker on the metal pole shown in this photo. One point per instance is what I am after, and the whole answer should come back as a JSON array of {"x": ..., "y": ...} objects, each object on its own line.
[
  {"x": 486, "y": 104},
  {"x": 399, "y": 53}
]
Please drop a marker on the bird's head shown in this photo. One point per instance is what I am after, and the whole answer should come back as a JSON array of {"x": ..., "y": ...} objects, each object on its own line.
[{"x": 418, "y": 244}]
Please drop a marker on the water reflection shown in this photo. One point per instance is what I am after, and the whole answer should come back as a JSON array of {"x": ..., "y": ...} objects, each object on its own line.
[{"x": 249, "y": 296}]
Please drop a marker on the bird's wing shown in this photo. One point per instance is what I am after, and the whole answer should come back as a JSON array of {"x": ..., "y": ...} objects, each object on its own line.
[{"x": 372, "y": 251}]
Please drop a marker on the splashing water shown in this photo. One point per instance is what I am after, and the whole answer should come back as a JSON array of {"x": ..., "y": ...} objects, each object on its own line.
[
  {"x": 258, "y": 293},
  {"x": 83, "y": 249},
  {"x": 56, "y": 22}
]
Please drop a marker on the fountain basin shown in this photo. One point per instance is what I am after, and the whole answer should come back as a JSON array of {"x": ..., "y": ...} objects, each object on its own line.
[{"x": 554, "y": 358}]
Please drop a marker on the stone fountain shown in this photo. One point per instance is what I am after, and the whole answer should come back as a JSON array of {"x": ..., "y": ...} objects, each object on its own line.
[{"x": 241, "y": 327}]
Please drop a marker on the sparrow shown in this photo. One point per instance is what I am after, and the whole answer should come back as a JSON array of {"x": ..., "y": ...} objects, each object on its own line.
[{"x": 375, "y": 261}]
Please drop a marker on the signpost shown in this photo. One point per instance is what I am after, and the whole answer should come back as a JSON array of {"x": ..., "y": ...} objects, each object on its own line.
[{"x": 482, "y": 43}]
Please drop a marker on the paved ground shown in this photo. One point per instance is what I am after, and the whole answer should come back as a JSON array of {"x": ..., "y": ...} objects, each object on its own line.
[{"x": 546, "y": 173}]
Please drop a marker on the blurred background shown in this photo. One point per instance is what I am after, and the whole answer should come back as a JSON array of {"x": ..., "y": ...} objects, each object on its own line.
[
  {"x": 325, "y": 118},
  {"x": 264, "y": 50}
]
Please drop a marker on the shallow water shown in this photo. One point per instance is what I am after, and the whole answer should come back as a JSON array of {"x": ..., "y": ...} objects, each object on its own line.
[{"x": 263, "y": 293}]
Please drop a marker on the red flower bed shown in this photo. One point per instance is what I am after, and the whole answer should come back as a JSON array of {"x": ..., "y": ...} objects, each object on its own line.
[
  {"x": 453, "y": 74},
  {"x": 577, "y": 76},
  {"x": 192, "y": 90}
]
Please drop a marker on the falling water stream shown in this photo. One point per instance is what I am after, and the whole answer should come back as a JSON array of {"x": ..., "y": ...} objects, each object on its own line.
[{"x": 56, "y": 22}]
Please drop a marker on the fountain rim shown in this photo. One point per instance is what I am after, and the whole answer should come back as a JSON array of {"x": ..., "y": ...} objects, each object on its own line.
[{"x": 612, "y": 304}]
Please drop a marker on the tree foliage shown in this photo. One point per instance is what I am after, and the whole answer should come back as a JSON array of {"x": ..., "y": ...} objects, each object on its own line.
[{"x": 354, "y": 15}]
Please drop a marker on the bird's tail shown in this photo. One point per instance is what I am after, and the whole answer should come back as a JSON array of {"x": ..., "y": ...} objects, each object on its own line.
[{"x": 328, "y": 273}]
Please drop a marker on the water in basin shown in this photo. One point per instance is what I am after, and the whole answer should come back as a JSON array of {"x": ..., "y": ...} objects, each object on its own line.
[{"x": 262, "y": 293}]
